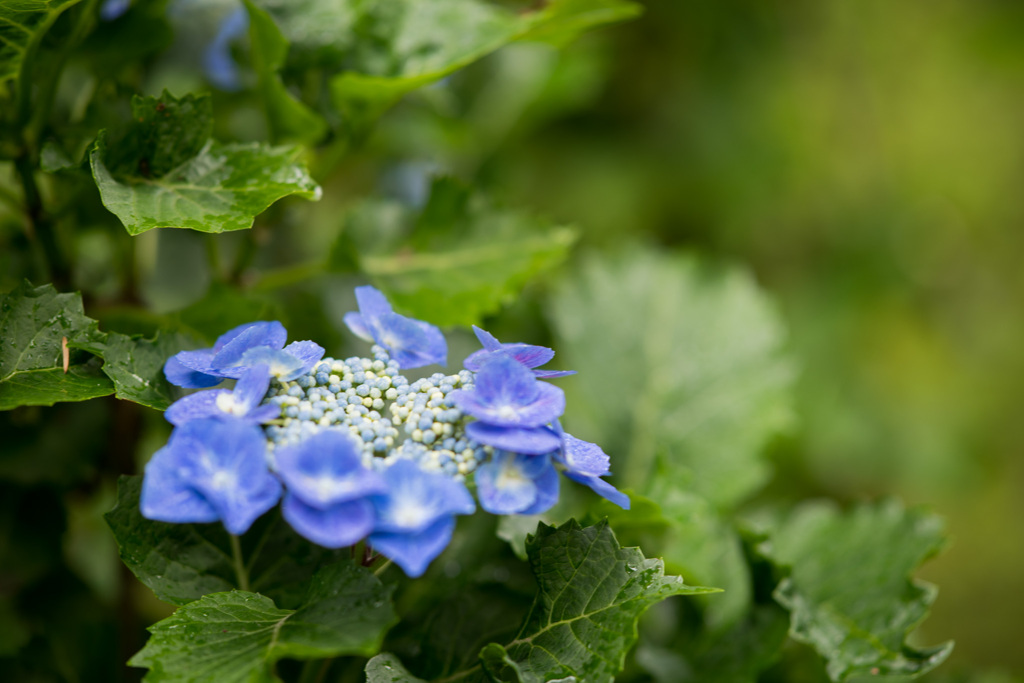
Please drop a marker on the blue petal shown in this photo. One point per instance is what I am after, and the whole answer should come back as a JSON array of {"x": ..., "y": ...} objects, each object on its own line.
[
  {"x": 167, "y": 496},
  {"x": 191, "y": 369},
  {"x": 271, "y": 334},
  {"x": 195, "y": 406},
  {"x": 220, "y": 66},
  {"x": 338, "y": 526},
  {"x": 487, "y": 340},
  {"x": 327, "y": 469},
  {"x": 547, "y": 489},
  {"x": 546, "y": 407},
  {"x": 512, "y": 484},
  {"x": 411, "y": 343},
  {"x": 583, "y": 457},
  {"x": 252, "y": 387},
  {"x": 373, "y": 305},
  {"x": 416, "y": 499},
  {"x": 358, "y": 326},
  {"x": 112, "y": 9},
  {"x": 413, "y": 552},
  {"x": 602, "y": 488},
  {"x": 551, "y": 374},
  {"x": 530, "y": 441},
  {"x": 280, "y": 363},
  {"x": 308, "y": 352}
]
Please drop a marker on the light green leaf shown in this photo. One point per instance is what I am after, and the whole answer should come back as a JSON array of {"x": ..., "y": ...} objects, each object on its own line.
[
  {"x": 288, "y": 117},
  {"x": 33, "y": 323},
  {"x": 183, "y": 562},
  {"x": 22, "y": 25},
  {"x": 164, "y": 172},
  {"x": 386, "y": 668},
  {"x": 583, "y": 621},
  {"x": 849, "y": 591},
  {"x": 136, "y": 365},
  {"x": 465, "y": 258},
  {"x": 238, "y": 636},
  {"x": 426, "y": 41},
  {"x": 682, "y": 372}
]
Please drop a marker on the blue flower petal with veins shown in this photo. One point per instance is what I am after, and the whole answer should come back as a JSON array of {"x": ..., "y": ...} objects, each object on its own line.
[
  {"x": 243, "y": 403},
  {"x": 506, "y": 394},
  {"x": 529, "y": 355},
  {"x": 586, "y": 463},
  {"x": 202, "y": 368},
  {"x": 517, "y": 484},
  {"x": 527, "y": 440},
  {"x": 411, "y": 343}
]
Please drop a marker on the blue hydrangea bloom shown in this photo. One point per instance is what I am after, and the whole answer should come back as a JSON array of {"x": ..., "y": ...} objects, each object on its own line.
[
  {"x": 529, "y": 355},
  {"x": 415, "y": 518},
  {"x": 327, "y": 489},
  {"x": 586, "y": 463},
  {"x": 506, "y": 394},
  {"x": 218, "y": 62},
  {"x": 512, "y": 484},
  {"x": 528, "y": 440},
  {"x": 211, "y": 470},
  {"x": 411, "y": 343},
  {"x": 237, "y": 350},
  {"x": 242, "y": 403}
]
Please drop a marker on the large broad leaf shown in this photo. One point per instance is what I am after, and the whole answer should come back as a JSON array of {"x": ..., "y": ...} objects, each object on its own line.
[
  {"x": 386, "y": 668},
  {"x": 289, "y": 118},
  {"x": 238, "y": 636},
  {"x": 163, "y": 171},
  {"x": 682, "y": 372},
  {"x": 183, "y": 562},
  {"x": 136, "y": 366},
  {"x": 583, "y": 621},
  {"x": 849, "y": 591},
  {"x": 34, "y": 322},
  {"x": 464, "y": 258},
  {"x": 22, "y": 25},
  {"x": 392, "y": 47}
]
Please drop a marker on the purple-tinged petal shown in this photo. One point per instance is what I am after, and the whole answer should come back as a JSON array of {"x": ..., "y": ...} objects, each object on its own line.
[
  {"x": 549, "y": 405},
  {"x": 552, "y": 374},
  {"x": 502, "y": 381},
  {"x": 308, "y": 352},
  {"x": 229, "y": 356},
  {"x": 511, "y": 484},
  {"x": 529, "y": 355},
  {"x": 195, "y": 406},
  {"x": 414, "y": 552},
  {"x": 582, "y": 457},
  {"x": 280, "y": 363},
  {"x": 372, "y": 304},
  {"x": 251, "y": 388},
  {"x": 338, "y": 526},
  {"x": 547, "y": 490},
  {"x": 358, "y": 326},
  {"x": 327, "y": 469},
  {"x": 191, "y": 369},
  {"x": 602, "y": 488},
  {"x": 487, "y": 340},
  {"x": 167, "y": 496},
  {"x": 529, "y": 441}
]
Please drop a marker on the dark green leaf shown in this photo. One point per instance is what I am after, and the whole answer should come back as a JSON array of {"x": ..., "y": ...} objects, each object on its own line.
[
  {"x": 289, "y": 118},
  {"x": 583, "y": 621},
  {"x": 136, "y": 365},
  {"x": 849, "y": 592},
  {"x": 467, "y": 257},
  {"x": 386, "y": 668},
  {"x": 22, "y": 24},
  {"x": 33, "y": 323},
  {"x": 165, "y": 172},
  {"x": 183, "y": 562},
  {"x": 238, "y": 636},
  {"x": 697, "y": 351}
]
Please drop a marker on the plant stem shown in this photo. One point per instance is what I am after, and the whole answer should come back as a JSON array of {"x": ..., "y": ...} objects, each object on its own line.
[
  {"x": 380, "y": 570},
  {"x": 241, "y": 574}
]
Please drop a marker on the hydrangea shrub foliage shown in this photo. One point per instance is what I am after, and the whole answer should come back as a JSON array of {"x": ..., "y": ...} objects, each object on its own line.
[{"x": 344, "y": 447}]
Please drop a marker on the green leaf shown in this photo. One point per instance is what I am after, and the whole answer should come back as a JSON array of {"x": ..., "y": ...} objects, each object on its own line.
[
  {"x": 165, "y": 172},
  {"x": 424, "y": 42},
  {"x": 183, "y": 562},
  {"x": 465, "y": 258},
  {"x": 33, "y": 323},
  {"x": 583, "y": 621},
  {"x": 386, "y": 668},
  {"x": 697, "y": 352},
  {"x": 136, "y": 365},
  {"x": 849, "y": 591},
  {"x": 288, "y": 117},
  {"x": 22, "y": 25},
  {"x": 238, "y": 636}
]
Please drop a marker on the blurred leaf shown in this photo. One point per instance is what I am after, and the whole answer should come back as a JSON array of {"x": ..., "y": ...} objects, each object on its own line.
[
  {"x": 136, "y": 365},
  {"x": 165, "y": 172},
  {"x": 23, "y": 23},
  {"x": 223, "y": 308},
  {"x": 849, "y": 593},
  {"x": 412, "y": 44},
  {"x": 183, "y": 562},
  {"x": 33, "y": 322},
  {"x": 238, "y": 636},
  {"x": 386, "y": 668},
  {"x": 583, "y": 621},
  {"x": 289, "y": 118},
  {"x": 465, "y": 258},
  {"x": 682, "y": 372}
]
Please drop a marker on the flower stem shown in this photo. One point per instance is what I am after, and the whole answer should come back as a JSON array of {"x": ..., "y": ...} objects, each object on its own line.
[{"x": 240, "y": 572}]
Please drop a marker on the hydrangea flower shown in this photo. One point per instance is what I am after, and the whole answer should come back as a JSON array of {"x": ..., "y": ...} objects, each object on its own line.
[
  {"x": 415, "y": 518},
  {"x": 328, "y": 489},
  {"x": 411, "y": 343},
  {"x": 239, "y": 349},
  {"x": 586, "y": 463},
  {"x": 514, "y": 484},
  {"x": 211, "y": 470},
  {"x": 242, "y": 403},
  {"x": 219, "y": 64},
  {"x": 529, "y": 355}
]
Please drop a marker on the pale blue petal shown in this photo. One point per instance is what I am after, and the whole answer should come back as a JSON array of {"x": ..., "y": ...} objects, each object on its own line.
[
  {"x": 547, "y": 489},
  {"x": 195, "y": 406},
  {"x": 229, "y": 356},
  {"x": 503, "y": 485},
  {"x": 372, "y": 304},
  {"x": 416, "y": 499},
  {"x": 503, "y": 381},
  {"x": 583, "y": 457},
  {"x": 602, "y": 488},
  {"x": 552, "y": 374},
  {"x": 327, "y": 469},
  {"x": 167, "y": 496},
  {"x": 191, "y": 369},
  {"x": 530, "y": 441},
  {"x": 548, "y": 406},
  {"x": 281, "y": 364},
  {"x": 358, "y": 326},
  {"x": 414, "y": 552},
  {"x": 252, "y": 386},
  {"x": 308, "y": 352},
  {"x": 338, "y": 526},
  {"x": 487, "y": 340}
]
